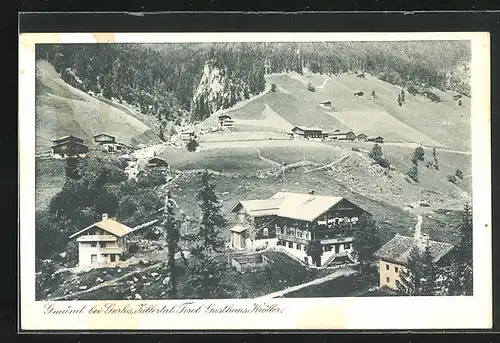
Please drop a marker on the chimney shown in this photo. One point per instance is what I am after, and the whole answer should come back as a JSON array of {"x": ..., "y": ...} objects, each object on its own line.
[{"x": 104, "y": 216}]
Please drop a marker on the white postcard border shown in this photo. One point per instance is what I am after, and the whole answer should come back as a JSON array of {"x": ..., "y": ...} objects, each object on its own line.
[{"x": 378, "y": 313}]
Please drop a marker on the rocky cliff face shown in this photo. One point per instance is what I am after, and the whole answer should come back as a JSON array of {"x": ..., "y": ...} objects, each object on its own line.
[{"x": 216, "y": 90}]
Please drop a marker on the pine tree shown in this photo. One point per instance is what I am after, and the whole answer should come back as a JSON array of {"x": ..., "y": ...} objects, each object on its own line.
[
  {"x": 403, "y": 96},
  {"x": 171, "y": 225},
  {"x": 411, "y": 277},
  {"x": 207, "y": 265},
  {"x": 429, "y": 273},
  {"x": 413, "y": 172},
  {"x": 72, "y": 168},
  {"x": 419, "y": 153},
  {"x": 434, "y": 156},
  {"x": 161, "y": 135},
  {"x": 400, "y": 103},
  {"x": 212, "y": 220},
  {"x": 315, "y": 251},
  {"x": 366, "y": 240},
  {"x": 376, "y": 152},
  {"x": 465, "y": 245}
]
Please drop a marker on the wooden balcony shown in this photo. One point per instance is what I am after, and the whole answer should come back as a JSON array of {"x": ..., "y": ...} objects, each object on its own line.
[
  {"x": 111, "y": 250},
  {"x": 338, "y": 240},
  {"x": 292, "y": 239},
  {"x": 96, "y": 238}
]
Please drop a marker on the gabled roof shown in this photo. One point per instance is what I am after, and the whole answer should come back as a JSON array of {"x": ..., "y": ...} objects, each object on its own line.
[
  {"x": 224, "y": 116},
  {"x": 103, "y": 134},
  {"x": 304, "y": 206},
  {"x": 307, "y": 128},
  {"x": 259, "y": 208},
  {"x": 298, "y": 206},
  {"x": 238, "y": 228},
  {"x": 67, "y": 138},
  {"x": 398, "y": 249},
  {"x": 338, "y": 133},
  {"x": 109, "y": 225}
]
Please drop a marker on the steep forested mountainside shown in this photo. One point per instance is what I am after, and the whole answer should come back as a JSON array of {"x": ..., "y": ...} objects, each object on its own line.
[{"x": 170, "y": 80}]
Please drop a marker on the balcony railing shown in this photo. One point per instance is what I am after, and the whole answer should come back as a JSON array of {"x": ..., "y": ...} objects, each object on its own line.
[
  {"x": 292, "y": 238},
  {"x": 96, "y": 238},
  {"x": 336, "y": 240}
]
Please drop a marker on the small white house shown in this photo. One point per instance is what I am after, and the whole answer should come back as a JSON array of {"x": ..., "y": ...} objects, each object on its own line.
[{"x": 101, "y": 243}]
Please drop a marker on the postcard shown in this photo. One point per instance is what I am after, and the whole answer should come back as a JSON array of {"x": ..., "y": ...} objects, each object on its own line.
[{"x": 254, "y": 181}]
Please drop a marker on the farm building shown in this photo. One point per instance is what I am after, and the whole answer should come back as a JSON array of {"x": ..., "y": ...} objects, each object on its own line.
[
  {"x": 187, "y": 135},
  {"x": 361, "y": 137},
  {"x": 290, "y": 221},
  {"x": 361, "y": 76},
  {"x": 377, "y": 139},
  {"x": 342, "y": 136},
  {"x": 101, "y": 243},
  {"x": 104, "y": 138},
  {"x": 115, "y": 147},
  {"x": 359, "y": 94},
  {"x": 225, "y": 121},
  {"x": 457, "y": 97},
  {"x": 69, "y": 146},
  {"x": 156, "y": 162},
  {"x": 307, "y": 132},
  {"x": 327, "y": 104},
  {"x": 393, "y": 256}
]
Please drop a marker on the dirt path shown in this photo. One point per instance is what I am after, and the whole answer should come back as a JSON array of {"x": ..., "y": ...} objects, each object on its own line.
[
  {"x": 336, "y": 274},
  {"x": 418, "y": 226},
  {"x": 267, "y": 159},
  {"x": 108, "y": 283},
  {"x": 329, "y": 165}
]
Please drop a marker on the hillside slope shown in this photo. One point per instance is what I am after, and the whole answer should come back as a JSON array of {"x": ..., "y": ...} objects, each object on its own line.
[
  {"x": 64, "y": 110},
  {"x": 419, "y": 120}
]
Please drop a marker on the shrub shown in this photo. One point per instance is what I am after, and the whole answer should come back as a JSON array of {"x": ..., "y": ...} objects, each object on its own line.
[
  {"x": 192, "y": 145},
  {"x": 273, "y": 87},
  {"x": 384, "y": 162},
  {"x": 459, "y": 174},
  {"x": 310, "y": 87},
  {"x": 452, "y": 178},
  {"x": 419, "y": 153},
  {"x": 133, "y": 248},
  {"x": 413, "y": 173},
  {"x": 376, "y": 152}
]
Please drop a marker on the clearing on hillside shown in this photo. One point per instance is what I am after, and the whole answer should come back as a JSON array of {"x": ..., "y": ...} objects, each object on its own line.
[{"x": 64, "y": 110}]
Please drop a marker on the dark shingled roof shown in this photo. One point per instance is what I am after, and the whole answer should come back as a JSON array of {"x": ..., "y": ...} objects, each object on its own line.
[{"x": 398, "y": 249}]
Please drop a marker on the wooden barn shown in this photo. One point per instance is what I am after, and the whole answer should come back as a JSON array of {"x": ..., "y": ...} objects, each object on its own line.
[
  {"x": 307, "y": 132},
  {"x": 361, "y": 137},
  {"x": 156, "y": 162},
  {"x": 343, "y": 136},
  {"x": 69, "y": 146},
  {"x": 225, "y": 121},
  {"x": 104, "y": 138},
  {"x": 377, "y": 139}
]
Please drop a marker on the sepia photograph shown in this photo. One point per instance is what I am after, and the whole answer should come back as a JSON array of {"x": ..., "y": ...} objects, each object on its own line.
[{"x": 260, "y": 170}]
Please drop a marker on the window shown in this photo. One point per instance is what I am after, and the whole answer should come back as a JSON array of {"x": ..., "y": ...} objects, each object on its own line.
[
  {"x": 93, "y": 259},
  {"x": 102, "y": 244},
  {"x": 328, "y": 248},
  {"x": 265, "y": 232},
  {"x": 387, "y": 280},
  {"x": 386, "y": 267},
  {"x": 113, "y": 258},
  {"x": 278, "y": 231},
  {"x": 299, "y": 247},
  {"x": 290, "y": 244},
  {"x": 396, "y": 269},
  {"x": 347, "y": 245},
  {"x": 93, "y": 244}
]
